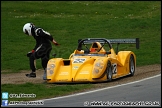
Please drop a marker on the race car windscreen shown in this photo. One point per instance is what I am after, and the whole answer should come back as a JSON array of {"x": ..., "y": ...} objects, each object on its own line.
[{"x": 94, "y": 45}]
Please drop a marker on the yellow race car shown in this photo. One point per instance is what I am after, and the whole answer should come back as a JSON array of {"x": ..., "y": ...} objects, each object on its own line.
[{"x": 94, "y": 60}]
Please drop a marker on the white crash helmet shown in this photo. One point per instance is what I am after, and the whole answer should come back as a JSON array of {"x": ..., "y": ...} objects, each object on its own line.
[{"x": 27, "y": 28}]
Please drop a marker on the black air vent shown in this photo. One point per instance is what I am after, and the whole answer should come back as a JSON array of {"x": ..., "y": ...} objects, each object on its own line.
[{"x": 66, "y": 62}]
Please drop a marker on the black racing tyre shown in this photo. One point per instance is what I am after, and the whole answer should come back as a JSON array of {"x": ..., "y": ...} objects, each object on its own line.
[
  {"x": 131, "y": 65},
  {"x": 109, "y": 71}
]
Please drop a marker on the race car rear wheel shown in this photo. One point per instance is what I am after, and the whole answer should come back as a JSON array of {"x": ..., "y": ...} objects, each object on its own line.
[
  {"x": 109, "y": 71},
  {"x": 132, "y": 65}
]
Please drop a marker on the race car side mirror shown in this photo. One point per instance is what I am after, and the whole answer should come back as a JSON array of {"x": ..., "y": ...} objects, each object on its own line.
[
  {"x": 108, "y": 52},
  {"x": 54, "y": 55},
  {"x": 79, "y": 40}
]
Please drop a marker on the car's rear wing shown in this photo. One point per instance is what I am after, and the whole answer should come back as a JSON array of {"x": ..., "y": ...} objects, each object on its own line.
[
  {"x": 111, "y": 41},
  {"x": 125, "y": 41}
]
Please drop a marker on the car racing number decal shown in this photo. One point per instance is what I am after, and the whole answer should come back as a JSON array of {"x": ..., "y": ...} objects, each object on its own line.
[
  {"x": 79, "y": 60},
  {"x": 114, "y": 68}
]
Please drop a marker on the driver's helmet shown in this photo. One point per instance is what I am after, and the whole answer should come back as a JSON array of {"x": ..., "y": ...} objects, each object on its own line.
[
  {"x": 27, "y": 28},
  {"x": 94, "y": 47}
]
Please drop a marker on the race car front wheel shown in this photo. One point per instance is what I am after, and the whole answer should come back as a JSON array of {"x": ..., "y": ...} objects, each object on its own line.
[
  {"x": 109, "y": 71},
  {"x": 132, "y": 65}
]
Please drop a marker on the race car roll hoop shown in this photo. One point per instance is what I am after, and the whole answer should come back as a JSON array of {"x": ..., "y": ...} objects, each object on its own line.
[{"x": 109, "y": 41}]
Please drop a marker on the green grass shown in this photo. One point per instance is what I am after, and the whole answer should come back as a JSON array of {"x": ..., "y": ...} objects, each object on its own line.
[
  {"x": 70, "y": 21},
  {"x": 43, "y": 90}
]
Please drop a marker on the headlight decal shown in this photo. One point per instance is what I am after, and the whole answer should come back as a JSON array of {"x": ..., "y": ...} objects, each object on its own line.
[
  {"x": 98, "y": 67},
  {"x": 52, "y": 65},
  {"x": 95, "y": 71},
  {"x": 50, "y": 69},
  {"x": 97, "y": 64}
]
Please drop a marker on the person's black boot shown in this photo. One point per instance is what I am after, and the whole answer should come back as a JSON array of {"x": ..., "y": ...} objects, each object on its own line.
[{"x": 31, "y": 75}]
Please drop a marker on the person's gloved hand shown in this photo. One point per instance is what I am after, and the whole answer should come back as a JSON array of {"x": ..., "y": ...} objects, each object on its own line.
[
  {"x": 30, "y": 53},
  {"x": 56, "y": 44}
]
